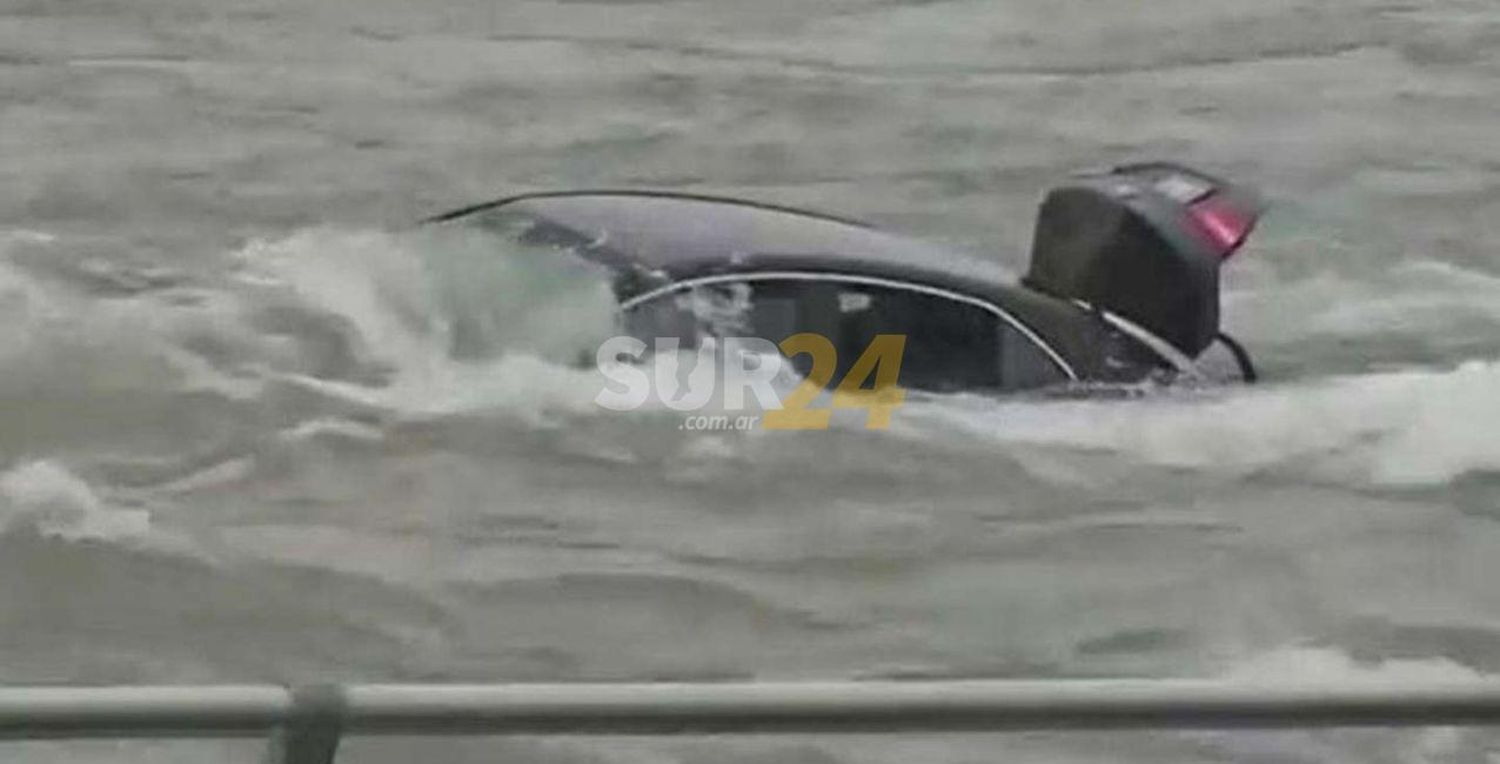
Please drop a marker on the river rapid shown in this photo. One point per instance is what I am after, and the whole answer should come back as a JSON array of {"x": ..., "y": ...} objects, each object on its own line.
[{"x": 239, "y": 442}]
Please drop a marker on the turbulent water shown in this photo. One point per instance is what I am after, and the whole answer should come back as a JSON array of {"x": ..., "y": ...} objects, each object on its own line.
[{"x": 253, "y": 428}]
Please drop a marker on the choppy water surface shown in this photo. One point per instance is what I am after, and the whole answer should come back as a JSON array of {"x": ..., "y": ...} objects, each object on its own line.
[{"x": 253, "y": 430}]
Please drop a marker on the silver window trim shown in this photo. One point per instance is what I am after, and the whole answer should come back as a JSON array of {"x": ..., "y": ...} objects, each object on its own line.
[
  {"x": 1004, "y": 315},
  {"x": 1161, "y": 347}
]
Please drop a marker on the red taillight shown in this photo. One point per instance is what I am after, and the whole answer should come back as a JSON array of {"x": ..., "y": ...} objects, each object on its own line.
[{"x": 1225, "y": 223}]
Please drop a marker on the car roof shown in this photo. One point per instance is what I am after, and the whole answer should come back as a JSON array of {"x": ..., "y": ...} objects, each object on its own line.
[{"x": 688, "y": 235}]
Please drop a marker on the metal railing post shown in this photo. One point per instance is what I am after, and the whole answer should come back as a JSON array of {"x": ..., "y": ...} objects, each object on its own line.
[{"x": 312, "y": 729}]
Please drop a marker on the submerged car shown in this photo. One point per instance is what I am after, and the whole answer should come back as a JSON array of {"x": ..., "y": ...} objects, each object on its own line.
[{"x": 1123, "y": 283}]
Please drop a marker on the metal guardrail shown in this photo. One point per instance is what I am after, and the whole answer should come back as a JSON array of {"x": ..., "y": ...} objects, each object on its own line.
[{"x": 306, "y": 724}]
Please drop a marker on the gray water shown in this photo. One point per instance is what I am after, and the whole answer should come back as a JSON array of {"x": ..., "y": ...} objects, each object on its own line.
[{"x": 238, "y": 444}]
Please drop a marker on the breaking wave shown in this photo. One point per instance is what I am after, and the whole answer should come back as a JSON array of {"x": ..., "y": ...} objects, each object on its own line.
[
  {"x": 1400, "y": 428},
  {"x": 437, "y": 319},
  {"x": 362, "y": 326},
  {"x": 43, "y": 497}
]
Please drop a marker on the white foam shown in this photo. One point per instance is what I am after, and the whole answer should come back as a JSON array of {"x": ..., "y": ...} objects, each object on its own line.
[
  {"x": 1326, "y": 664},
  {"x": 1412, "y": 427},
  {"x": 46, "y": 497},
  {"x": 461, "y": 320},
  {"x": 464, "y": 321}
]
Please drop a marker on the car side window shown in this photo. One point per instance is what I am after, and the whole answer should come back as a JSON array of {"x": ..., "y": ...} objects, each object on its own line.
[{"x": 951, "y": 345}]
